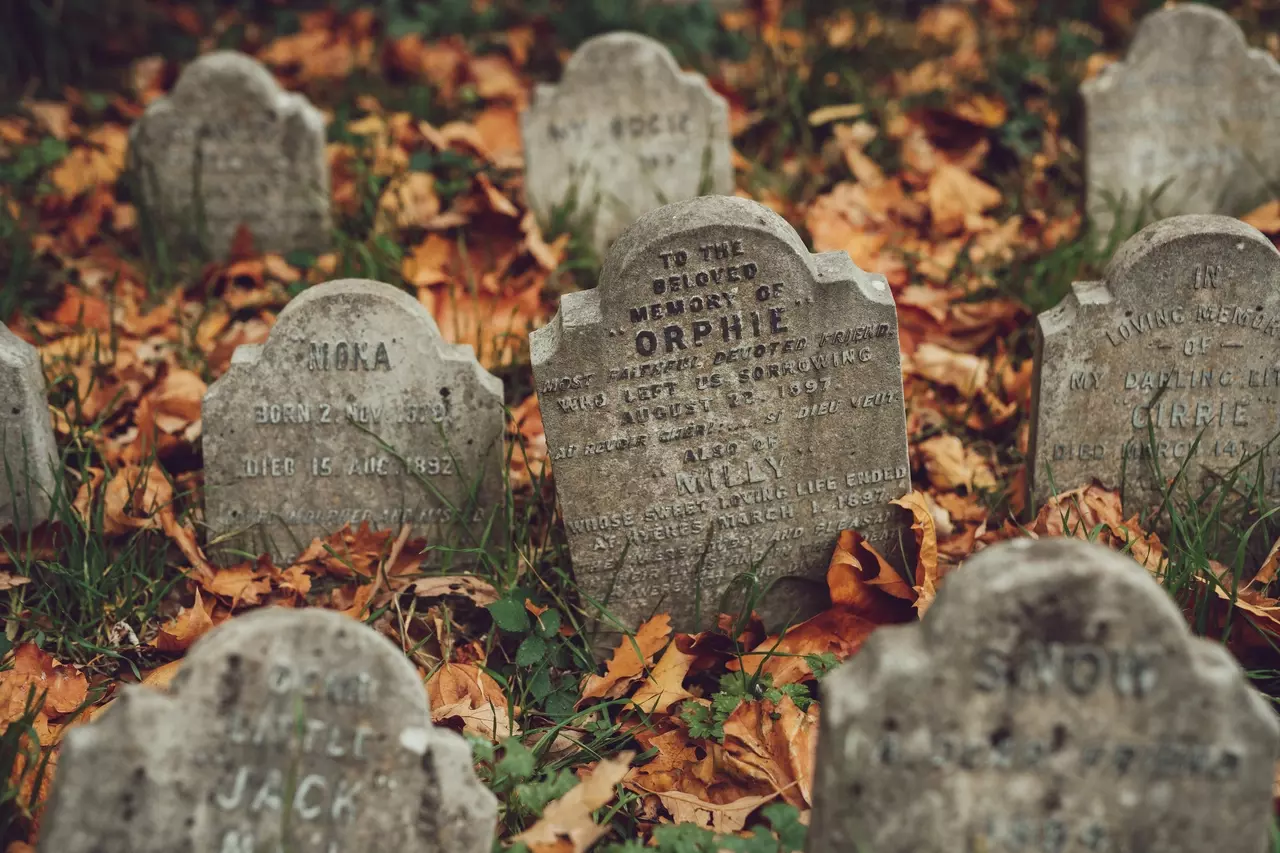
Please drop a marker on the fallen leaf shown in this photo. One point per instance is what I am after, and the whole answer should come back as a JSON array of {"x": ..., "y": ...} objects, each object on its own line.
[
  {"x": 629, "y": 660},
  {"x": 240, "y": 584},
  {"x": 952, "y": 466},
  {"x": 481, "y": 592},
  {"x": 9, "y": 580},
  {"x": 722, "y": 817},
  {"x": 665, "y": 685},
  {"x": 774, "y": 744},
  {"x": 189, "y": 625},
  {"x": 566, "y": 825},
  {"x": 954, "y": 195},
  {"x": 923, "y": 526}
]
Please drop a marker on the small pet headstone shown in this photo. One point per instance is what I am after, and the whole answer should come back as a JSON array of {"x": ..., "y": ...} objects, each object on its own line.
[
  {"x": 623, "y": 132},
  {"x": 1052, "y": 699},
  {"x": 229, "y": 148},
  {"x": 355, "y": 410}
]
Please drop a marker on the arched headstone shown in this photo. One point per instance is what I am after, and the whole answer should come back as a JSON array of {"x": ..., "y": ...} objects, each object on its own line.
[
  {"x": 1051, "y": 699},
  {"x": 1168, "y": 368},
  {"x": 228, "y": 147},
  {"x": 354, "y": 410},
  {"x": 1192, "y": 112},
  {"x": 623, "y": 132},
  {"x": 723, "y": 402},
  {"x": 285, "y": 730}
]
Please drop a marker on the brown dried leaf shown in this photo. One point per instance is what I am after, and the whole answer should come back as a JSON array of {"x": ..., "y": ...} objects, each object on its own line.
[
  {"x": 665, "y": 685},
  {"x": 189, "y": 625},
  {"x": 629, "y": 660},
  {"x": 566, "y": 825}
]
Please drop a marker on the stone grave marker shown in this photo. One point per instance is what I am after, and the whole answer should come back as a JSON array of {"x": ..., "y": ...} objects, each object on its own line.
[
  {"x": 725, "y": 394},
  {"x": 354, "y": 410},
  {"x": 1052, "y": 699},
  {"x": 228, "y": 147},
  {"x": 28, "y": 453},
  {"x": 625, "y": 131},
  {"x": 1168, "y": 367},
  {"x": 285, "y": 730},
  {"x": 1191, "y": 108}
]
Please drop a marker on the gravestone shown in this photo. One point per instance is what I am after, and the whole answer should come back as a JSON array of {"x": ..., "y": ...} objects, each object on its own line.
[
  {"x": 722, "y": 400},
  {"x": 1191, "y": 109},
  {"x": 1052, "y": 699},
  {"x": 1169, "y": 367},
  {"x": 228, "y": 147},
  {"x": 28, "y": 453},
  {"x": 354, "y": 410},
  {"x": 625, "y": 131},
  {"x": 285, "y": 730}
]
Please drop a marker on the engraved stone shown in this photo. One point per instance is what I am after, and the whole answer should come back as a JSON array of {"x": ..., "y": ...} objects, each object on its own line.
[
  {"x": 1052, "y": 699},
  {"x": 1191, "y": 108},
  {"x": 285, "y": 730},
  {"x": 625, "y": 131},
  {"x": 354, "y": 410},
  {"x": 1169, "y": 367},
  {"x": 725, "y": 393},
  {"x": 28, "y": 454},
  {"x": 228, "y": 147}
]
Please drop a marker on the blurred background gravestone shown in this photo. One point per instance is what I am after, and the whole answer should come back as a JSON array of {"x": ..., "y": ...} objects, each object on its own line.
[
  {"x": 1188, "y": 122},
  {"x": 226, "y": 149},
  {"x": 623, "y": 132}
]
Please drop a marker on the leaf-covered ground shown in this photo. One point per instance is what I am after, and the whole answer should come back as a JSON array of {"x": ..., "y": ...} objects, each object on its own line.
[{"x": 940, "y": 147}]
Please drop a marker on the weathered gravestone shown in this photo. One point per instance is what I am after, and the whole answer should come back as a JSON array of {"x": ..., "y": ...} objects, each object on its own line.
[
  {"x": 624, "y": 132},
  {"x": 723, "y": 394},
  {"x": 1169, "y": 367},
  {"x": 28, "y": 454},
  {"x": 1053, "y": 700},
  {"x": 285, "y": 731},
  {"x": 1191, "y": 109},
  {"x": 354, "y": 410},
  {"x": 228, "y": 147}
]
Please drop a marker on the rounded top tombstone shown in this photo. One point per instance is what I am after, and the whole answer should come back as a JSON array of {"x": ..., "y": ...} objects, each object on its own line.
[
  {"x": 227, "y": 149},
  {"x": 1052, "y": 698},
  {"x": 284, "y": 730},
  {"x": 1187, "y": 122},
  {"x": 647, "y": 59},
  {"x": 355, "y": 410},
  {"x": 1164, "y": 371},
  {"x": 623, "y": 132},
  {"x": 228, "y": 79},
  {"x": 749, "y": 395}
]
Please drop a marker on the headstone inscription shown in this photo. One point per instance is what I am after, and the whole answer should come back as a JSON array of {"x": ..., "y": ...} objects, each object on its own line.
[
  {"x": 723, "y": 401},
  {"x": 285, "y": 730},
  {"x": 228, "y": 147},
  {"x": 354, "y": 410},
  {"x": 1191, "y": 113},
  {"x": 1052, "y": 699},
  {"x": 1169, "y": 367},
  {"x": 625, "y": 131},
  {"x": 28, "y": 453}
]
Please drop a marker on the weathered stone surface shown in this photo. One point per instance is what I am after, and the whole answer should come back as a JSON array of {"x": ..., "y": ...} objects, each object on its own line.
[
  {"x": 28, "y": 454},
  {"x": 1192, "y": 106},
  {"x": 354, "y": 410},
  {"x": 1179, "y": 344},
  {"x": 229, "y": 147},
  {"x": 721, "y": 392},
  {"x": 1052, "y": 699},
  {"x": 285, "y": 730},
  {"x": 625, "y": 131}
]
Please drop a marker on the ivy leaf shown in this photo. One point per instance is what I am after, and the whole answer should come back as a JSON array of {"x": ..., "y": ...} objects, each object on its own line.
[
  {"x": 531, "y": 651},
  {"x": 510, "y": 615},
  {"x": 517, "y": 760}
]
